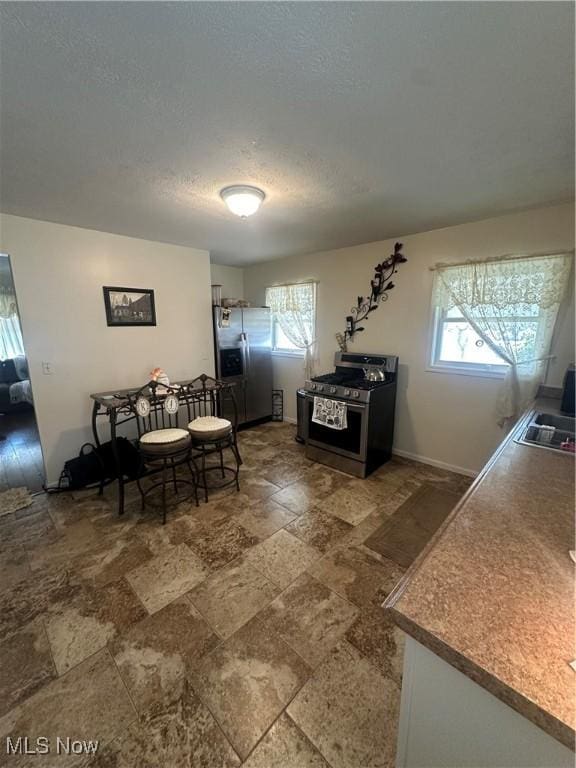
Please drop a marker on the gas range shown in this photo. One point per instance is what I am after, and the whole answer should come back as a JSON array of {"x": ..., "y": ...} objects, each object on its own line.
[
  {"x": 365, "y": 441},
  {"x": 348, "y": 381}
]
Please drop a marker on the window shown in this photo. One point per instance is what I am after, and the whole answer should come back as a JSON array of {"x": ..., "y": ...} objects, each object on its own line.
[
  {"x": 495, "y": 317},
  {"x": 458, "y": 346},
  {"x": 281, "y": 342},
  {"x": 293, "y": 317}
]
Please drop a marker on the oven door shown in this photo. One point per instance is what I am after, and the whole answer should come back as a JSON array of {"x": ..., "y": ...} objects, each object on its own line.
[{"x": 350, "y": 442}]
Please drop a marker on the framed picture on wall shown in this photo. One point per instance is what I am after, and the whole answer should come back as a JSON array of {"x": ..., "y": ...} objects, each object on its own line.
[{"x": 129, "y": 306}]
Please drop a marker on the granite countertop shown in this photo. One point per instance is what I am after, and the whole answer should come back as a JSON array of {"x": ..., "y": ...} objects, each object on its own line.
[{"x": 492, "y": 594}]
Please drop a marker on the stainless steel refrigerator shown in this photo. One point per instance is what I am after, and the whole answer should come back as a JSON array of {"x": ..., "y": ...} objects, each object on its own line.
[{"x": 243, "y": 346}]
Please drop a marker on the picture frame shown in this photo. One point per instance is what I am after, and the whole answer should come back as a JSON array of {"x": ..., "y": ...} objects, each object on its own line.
[{"x": 129, "y": 306}]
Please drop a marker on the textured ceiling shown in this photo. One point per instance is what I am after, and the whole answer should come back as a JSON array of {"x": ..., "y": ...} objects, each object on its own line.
[{"x": 360, "y": 121}]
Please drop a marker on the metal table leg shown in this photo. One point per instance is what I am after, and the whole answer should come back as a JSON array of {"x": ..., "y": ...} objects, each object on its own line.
[{"x": 117, "y": 465}]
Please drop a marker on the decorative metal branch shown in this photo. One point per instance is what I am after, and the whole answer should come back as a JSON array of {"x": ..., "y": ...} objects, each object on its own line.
[{"x": 365, "y": 305}]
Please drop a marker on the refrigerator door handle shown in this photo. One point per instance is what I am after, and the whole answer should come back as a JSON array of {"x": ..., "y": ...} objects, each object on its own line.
[
  {"x": 247, "y": 348},
  {"x": 245, "y": 354}
]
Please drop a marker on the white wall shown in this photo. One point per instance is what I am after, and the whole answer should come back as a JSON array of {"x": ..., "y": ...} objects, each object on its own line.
[
  {"x": 230, "y": 278},
  {"x": 442, "y": 417},
  {"x": 59, "y": 272}
]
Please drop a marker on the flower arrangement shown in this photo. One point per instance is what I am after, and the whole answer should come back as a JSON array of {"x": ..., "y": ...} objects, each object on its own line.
[{"x": 159, "y": 376}]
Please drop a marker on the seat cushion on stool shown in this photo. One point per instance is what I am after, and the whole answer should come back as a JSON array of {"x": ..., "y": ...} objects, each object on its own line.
[
  {"x": 206, "y": 428},
  {"x": 162, "y": 442}
]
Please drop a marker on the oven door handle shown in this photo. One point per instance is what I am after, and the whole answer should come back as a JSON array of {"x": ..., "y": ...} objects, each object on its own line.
[{"x": 349, "y": 404}]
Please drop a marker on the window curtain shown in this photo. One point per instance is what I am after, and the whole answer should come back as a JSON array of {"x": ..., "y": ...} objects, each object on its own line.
[
  {"x": 11, "y": 344},
  {"x": 294, "y": 307},
  {"x": 496, "y": 297},
  {"x": 7, "y": 302}
]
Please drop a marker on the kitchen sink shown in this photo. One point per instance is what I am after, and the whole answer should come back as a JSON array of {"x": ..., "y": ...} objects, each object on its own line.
[
  {"x": 564, "y": 423},
  {"x": 550, "y": 431}
]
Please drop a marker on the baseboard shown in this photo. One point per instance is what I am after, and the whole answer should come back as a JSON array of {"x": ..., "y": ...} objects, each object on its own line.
[
  {"x": 435, "y": 463},
  {"x": 289, "y": 419}
]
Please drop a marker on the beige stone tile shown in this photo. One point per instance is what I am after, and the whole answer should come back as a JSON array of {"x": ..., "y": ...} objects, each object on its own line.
[
  {"x": 264, "y": 518},
  {"x": 79, "y": 627},
  {"x": 319, "y": 529},
  {"x": 87, "y": 508},
  {"x": 13, "y": 565},
  {"x": 402, "y": 537},
  {"x": 157, "y": 656},
  {"x": 349, "y": 711},
  {"x": 284, "y": 473},
  {"x": 389, "y": 504},
  {"x": 323, "y": 480},
  {"x": 255, "y": 457},
  {"x": 378, "y": 639},
  {"x": 60, "y": 551},
  {"x": 296, "y": 452},
  {"x": 180, "y": 734},
  {"x": 348, "y": 504},
  {"x": 98, "y": 556},
  {"x": 221, "y": 508},
  {"x": 25, "y": 664},
  {"x": 309, "y": 617},
  {"x": 253, "y": 439},
  {"x": 27, "y": 530},
  {"x": 232, "y": 596},
  {"x": 255, "y": 486},
  {"x": 298, "y": 497},
  {"x": 282, "y": 558},
  {"x": 356, "y": 574},
  {"x": 89, "y": 702},
  {"x": 167, "y": 576},
  {"x": 25, "y": 599},
  {"x": 359, "y": 533},
  {"x": 247, "y": 681},
  {"x": 220, "y": 542},
  {"x": 156, "y": 538},
  {"x": 284, "y": 746}
]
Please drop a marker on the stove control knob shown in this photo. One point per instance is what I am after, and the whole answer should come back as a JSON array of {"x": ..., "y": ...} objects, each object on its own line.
[
  {"x": 332, "y": 390},
  {"x": 355, "y": 393},
  {"x": 320, "y": 387},
  {"x": 312, "y": 386},
  {"x": 347, "y": 392}
]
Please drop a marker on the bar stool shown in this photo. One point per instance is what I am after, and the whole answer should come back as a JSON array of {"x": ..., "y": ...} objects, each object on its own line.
[
  {"x": 162, "y": 444},
  {"x": 210, "y": 401}
]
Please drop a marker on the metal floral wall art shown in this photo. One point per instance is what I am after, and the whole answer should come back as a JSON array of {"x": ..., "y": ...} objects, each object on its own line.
[{"x": 380, "y": 285}]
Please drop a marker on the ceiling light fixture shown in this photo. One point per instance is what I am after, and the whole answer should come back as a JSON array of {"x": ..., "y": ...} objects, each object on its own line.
[{"x": 242, "y": 200}]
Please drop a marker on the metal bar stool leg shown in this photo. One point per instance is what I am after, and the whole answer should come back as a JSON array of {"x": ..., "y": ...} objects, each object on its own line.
[
  {"x": 238, "y": 463},
  {"x": 221, "y": 452},
  {"x": 164, "y": 492},
  {"x": 204, "y": 478}
]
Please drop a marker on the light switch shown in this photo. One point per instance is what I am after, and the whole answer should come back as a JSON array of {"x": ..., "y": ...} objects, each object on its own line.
[{"x": 47, "y": 369}]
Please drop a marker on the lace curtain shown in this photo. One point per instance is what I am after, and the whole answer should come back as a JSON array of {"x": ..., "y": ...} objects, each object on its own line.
[
  {"x": 11, "y": 344},
  {"x": 7, "y": 302},
  {"x": 497, "y": 298},
  {"x": 294, "y": 307}
]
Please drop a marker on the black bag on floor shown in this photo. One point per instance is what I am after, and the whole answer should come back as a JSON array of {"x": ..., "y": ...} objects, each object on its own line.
[
  {"x": 128, "y": 458},
  {"x": 97, "y": 465}
]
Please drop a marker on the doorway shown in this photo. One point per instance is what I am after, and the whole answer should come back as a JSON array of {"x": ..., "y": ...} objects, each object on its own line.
[{"x": 21, "y": 464}]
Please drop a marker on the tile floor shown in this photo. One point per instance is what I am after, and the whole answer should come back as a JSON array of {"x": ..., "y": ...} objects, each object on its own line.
[{"x": 247, "y": 631}]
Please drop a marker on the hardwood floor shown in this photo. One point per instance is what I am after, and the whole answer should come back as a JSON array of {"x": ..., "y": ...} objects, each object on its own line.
[{"x": 20, "y": 453}]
